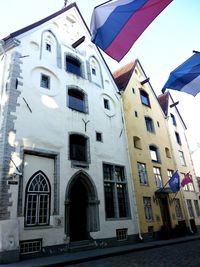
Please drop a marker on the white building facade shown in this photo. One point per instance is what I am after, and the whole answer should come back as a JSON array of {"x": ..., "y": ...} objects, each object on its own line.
[{"x": 64, "y": 166}]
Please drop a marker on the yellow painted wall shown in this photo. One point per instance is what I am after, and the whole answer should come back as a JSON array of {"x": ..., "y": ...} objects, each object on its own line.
[{"x": 136, "y": 126}]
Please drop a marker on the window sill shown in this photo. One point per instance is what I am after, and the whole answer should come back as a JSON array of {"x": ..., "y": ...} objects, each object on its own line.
[{"x": 38, "y": 227}]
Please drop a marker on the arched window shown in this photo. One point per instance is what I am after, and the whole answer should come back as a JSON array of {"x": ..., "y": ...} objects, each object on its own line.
[
  {"x": 144, "y": 98},
  {"x": 77, "y": 100},
  {"x": 37, "y": 200},
  {"x": 95, "y": 71}
]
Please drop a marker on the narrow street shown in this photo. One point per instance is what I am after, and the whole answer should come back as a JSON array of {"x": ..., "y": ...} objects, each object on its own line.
[{"x": 177, "y": 255}]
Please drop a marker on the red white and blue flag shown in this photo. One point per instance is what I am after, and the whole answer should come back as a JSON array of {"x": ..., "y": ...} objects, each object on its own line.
[{"x": 116, "y": 25}]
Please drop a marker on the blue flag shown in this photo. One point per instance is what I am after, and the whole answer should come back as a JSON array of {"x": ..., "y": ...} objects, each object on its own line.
[
  {"x": 174, "y": 182},
  {"x": 186, "y": 77}
]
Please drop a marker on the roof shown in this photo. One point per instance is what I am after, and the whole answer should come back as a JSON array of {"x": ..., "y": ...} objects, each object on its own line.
[
  {"x": 123, "y": 75},
  {"x": 40, "y": 22},
  {"x": 164, "y": 103}
]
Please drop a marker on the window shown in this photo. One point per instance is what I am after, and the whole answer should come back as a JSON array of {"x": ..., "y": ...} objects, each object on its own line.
[
  {"x": 48, "y": 47},
  {"x": 121, "y": 234},
  {"x": 148, "y": 208},
  {"x": 169, "y": 173},
  {"x": 76, "y": 100},
  {"x": 158, "y": 177},
  {"x": 154, "y": 152},
  {"x": 115, "y": 191},
  {"x": 99, "y": 136},
  {"x": 142, "y": 172},
  {"x": 133, "y": 90},
  {"x": 185, "y": 188},
  {"x": 173, "y": 119},
  {"x": 167, "y": 152},
  {"x": 73, "y": 65},
  {"x": 37, "y": 200},
  {"x": 30, "y": 246},
  {"x": 78, "y": 148},
  {"x": 179, "y": 214},
  {"x": 106, "y": 103},
  {"x": 190, "y": 208},
  {"x": 190, "y": 185},
  {"x": 136, "y": 114},
  {"x": 45, "y": 81},
  {"x": 182, "y": 158},
  {"x": 158, "y": 123},
  {"x": 137, "y": 142},
  {"x": 149, "y": 125},
  {"x": 178, "y": 139},
  {"x": 93, "y": 71},
  {"x": 144, "y": 98},
  {"x": 196, "y": 204}
]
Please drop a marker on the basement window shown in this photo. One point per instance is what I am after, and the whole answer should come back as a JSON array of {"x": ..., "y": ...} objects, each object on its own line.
[
  {"x": 30, "y": 246},
  {"x": 121, "y": 234}
]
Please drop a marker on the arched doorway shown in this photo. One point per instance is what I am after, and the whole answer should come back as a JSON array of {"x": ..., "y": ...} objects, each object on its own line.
[
  {"x": 81, "y": 208},
  {"x": 78, "y": 198}
]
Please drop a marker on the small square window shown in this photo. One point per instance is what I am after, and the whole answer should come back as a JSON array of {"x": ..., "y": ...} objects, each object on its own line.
[
  {"x": 158, "y": 123},
  {"x": 45, "y": 81},
  {"x": 93, "y": 71},
  {"x": 99, "y": 136},
  {"x": 133, "y": 90},
  {"x": 136, "y": 114},
  {"x": 106, "y": 103},
  {"x": 48, "y": 47}
]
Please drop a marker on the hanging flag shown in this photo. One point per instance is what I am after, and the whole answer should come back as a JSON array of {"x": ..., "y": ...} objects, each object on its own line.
[
  {"x": 174, "y": 182},
  {"x": 186, "y": 180},
  {"x": 116, "y": 25},
  {"x": 186, "y": 77}
]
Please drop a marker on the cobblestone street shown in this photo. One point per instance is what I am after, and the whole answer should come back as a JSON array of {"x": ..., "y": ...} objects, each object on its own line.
[{"x": 177, "y": 255}]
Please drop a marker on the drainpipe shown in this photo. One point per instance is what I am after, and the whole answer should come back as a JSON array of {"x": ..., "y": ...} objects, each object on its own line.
[{"x": 131, "y": 174}]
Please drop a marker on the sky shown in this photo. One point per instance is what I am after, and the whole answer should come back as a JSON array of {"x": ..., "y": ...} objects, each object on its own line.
[{"x": 165, "y": 44}]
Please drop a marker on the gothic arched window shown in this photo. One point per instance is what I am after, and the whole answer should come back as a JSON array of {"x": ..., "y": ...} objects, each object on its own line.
[{"x": 37, "y": 208}]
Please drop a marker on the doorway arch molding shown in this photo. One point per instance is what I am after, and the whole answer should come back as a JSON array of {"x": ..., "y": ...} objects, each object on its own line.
[{"x": 92, "y": 205}]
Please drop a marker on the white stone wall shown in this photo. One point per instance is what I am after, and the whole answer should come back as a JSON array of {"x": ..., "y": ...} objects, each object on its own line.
[{"x": 46, "y": 122}]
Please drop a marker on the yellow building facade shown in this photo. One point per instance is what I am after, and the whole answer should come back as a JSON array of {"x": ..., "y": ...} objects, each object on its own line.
[{"x": 160, "y": 211}]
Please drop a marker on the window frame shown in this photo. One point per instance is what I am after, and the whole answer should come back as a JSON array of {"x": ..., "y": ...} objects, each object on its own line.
[
  {"x": 37, "y": 196},
  {"x": 148, "y": 211},
  {"x": 74, "y": 146},
  {"x": 73, "y": 66},
  {"x": 45, "y": 83},
  {"x": 78, "y": 103},
  {"x": 142, "y": 173},
  {"x": 149, "y": 124},
  {"x": 154, "y": 153},
  {"x": 158, "y": 177},
  {"x": 116, "y": 200},
  {"x": 144, "y": 97}
]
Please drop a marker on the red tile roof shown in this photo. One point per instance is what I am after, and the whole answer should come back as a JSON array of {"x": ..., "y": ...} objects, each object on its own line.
[
  {"x": 123, "y": 75},
  {"x": 164, "y": 102}
]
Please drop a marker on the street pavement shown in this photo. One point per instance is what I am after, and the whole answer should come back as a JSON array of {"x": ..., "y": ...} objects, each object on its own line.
[
  {"x": 176, "y": 255},
  {"x": 177, "y": 252}
]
